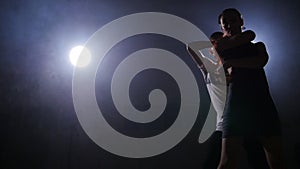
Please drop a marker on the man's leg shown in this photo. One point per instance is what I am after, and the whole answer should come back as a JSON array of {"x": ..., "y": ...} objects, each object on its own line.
[{"x": 214, "y": 151}]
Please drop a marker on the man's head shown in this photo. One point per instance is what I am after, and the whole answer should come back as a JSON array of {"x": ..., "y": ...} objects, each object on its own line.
[
  {"x": 214, "y": 37},
  {"x": 231, "y": 22}
]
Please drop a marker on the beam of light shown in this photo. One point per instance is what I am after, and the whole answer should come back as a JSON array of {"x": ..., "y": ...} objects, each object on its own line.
[{"x": 80, "y": 56}]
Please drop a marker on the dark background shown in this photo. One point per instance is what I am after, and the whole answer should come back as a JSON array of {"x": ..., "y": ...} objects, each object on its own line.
[{"x": 39, "y": 127}]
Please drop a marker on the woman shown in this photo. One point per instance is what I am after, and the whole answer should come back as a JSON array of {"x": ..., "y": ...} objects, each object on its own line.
[
  {"x": 249, "y": 110},
  {"x": 216, "y": 89}
]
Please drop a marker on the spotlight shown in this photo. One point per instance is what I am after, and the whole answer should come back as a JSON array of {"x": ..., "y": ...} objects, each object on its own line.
[{"x": 80, "y": 56}]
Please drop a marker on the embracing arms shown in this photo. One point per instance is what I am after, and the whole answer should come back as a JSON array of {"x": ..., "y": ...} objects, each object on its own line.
[
  {"x": 258, "y": 61},
  {"x": 221, "y": 44}
]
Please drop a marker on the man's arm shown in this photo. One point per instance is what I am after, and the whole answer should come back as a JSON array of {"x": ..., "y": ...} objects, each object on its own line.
[
  {"x": 194, "y": 47},
  {"x": 195, "y": 57},
  {"x": 253, "y": 62}
]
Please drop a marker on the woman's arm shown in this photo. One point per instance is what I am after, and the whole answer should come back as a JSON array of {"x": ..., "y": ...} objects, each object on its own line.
[
  {"x": 254, "y": 62},
  {"x": 234, "y": 41}
]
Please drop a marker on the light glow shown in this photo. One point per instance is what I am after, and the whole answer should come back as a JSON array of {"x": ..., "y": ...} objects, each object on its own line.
[{"x": 80, "y": 56}]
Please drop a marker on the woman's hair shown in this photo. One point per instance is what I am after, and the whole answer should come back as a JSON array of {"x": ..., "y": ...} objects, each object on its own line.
[{"x": 229, "y": 10}]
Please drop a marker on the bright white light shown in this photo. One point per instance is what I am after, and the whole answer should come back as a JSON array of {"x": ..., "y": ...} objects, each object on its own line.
[{"x": 80, "y": 56}]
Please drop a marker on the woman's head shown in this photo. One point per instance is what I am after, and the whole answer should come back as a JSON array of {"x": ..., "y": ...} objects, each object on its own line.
[{"x": 231, "y": 21}]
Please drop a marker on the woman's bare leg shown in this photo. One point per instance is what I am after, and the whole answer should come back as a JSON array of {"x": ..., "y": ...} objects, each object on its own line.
[
  {"x": 274, "y": 152},
  {"x": 231, "y": 150}
]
